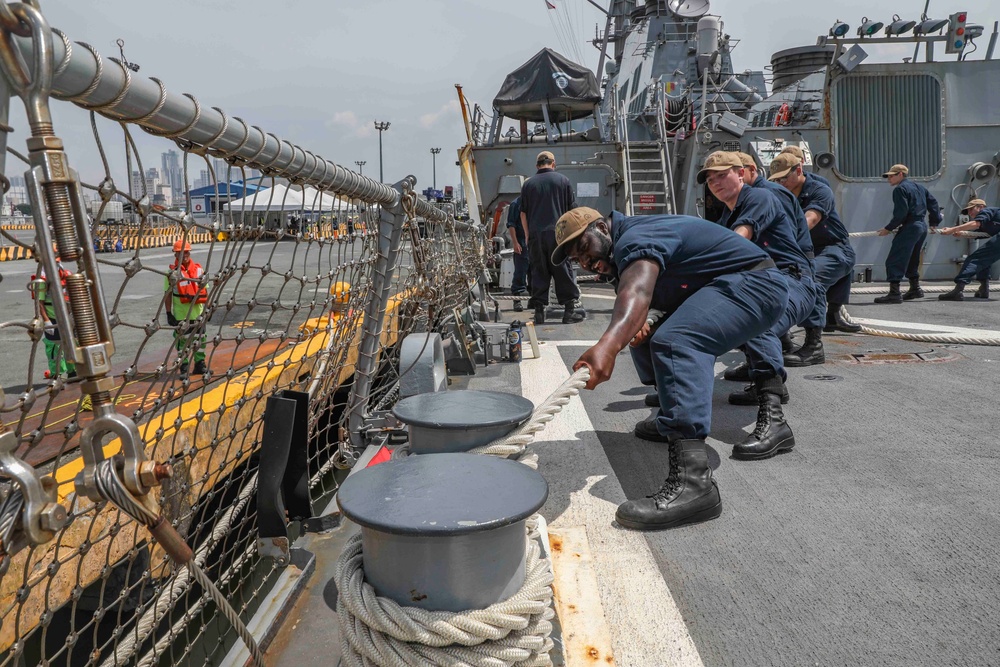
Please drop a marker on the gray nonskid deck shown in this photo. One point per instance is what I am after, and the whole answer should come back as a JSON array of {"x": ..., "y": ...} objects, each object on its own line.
[{"x": 873, "y": 542}]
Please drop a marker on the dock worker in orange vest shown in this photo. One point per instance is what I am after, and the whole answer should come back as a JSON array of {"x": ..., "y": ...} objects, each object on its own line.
[
  {"x": 184, "y": 301},
  {"x": 58, "y": 365}
]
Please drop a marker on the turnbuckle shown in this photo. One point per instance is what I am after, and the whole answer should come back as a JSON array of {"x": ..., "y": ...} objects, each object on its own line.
[{"x": 77, "y": 297}]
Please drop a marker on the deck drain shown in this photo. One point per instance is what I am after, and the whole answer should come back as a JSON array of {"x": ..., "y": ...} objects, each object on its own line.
[
  {"x": 885, "y": 357},
  {"x": 823, "y": 378}
]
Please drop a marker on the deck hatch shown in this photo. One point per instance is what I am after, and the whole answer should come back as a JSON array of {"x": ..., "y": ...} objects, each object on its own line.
[{"x": 870, "y": 134}]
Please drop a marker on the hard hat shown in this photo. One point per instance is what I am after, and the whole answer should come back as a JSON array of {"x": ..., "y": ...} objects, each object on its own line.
[{"x": 181, "y": 245}]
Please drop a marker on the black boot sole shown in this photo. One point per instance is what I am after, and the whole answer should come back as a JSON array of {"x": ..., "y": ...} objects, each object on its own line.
[
  {"x": 802, "y": 363},
  {"x": 652, "y": 400},
  {"x": 785, "y": 445},
  {"x": 700, "y": 516}
]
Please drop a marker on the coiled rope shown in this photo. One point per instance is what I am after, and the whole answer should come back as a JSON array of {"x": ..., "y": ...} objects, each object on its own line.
[{"x": 379, "y": 632}]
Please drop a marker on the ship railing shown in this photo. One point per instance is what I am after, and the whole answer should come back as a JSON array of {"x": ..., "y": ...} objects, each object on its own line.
[{"x": 316, "y": 312}]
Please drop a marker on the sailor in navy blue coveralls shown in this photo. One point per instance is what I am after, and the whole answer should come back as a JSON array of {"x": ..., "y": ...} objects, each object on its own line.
[
  {"x": 717, "y": 289},
  {"x": 978, "y": 264},
  {"x": 790, "y": 204},
  {"x": 911, "y": 202},
  {"x": 757, "y": 215},
  {"x": 833, "y": 261},
  {"x": 519, "y": 281}
]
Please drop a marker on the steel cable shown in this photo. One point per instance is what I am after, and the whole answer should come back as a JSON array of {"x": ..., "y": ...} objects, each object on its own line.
[{"x": 111, "y": 487}]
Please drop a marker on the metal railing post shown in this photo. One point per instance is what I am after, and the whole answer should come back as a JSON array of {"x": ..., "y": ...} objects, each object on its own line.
[{"x": 390, "y": 232}]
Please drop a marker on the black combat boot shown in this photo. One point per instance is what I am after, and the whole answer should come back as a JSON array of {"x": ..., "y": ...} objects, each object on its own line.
[
  {"x": 574, "y": 313},
  {"x": 984, "y": 289},
  {"x": 199, "y": 367},
  {"x": 772, "y": 433},
  {"x": 787, "y": 342},
  {"x": 892, "y": 297},
  {"x": 835, "y": 320},
  {"x": 652, "y": 400},
  {"x": 517, "y": 306},
  {"x": 914, "y": 292},
  {"x": 954, "y": 295},
  {"x": 738, "y": 373},
  {"x": 749, "y": 395},
  {"x": 811, "y": 352},
  {"x": 539, "y": 314},
  {"x": 688, "y": 495}
]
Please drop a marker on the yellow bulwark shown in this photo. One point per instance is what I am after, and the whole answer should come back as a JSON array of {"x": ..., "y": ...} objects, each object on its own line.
[{"x": 236, "y": 405}]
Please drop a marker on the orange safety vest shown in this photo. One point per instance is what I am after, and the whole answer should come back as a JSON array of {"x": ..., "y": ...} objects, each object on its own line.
[
  {"x": 186, "y": 289},
  {"x": 63, "y": 275}
]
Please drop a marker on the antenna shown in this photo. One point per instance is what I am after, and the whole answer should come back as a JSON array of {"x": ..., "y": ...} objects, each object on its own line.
[{"x": 689, "y": 9}]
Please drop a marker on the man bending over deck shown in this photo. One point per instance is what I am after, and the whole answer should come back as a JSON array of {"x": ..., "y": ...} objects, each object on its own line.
[
  {"x": 718, "y": 290},
  {"x": 978, "y": 264}
]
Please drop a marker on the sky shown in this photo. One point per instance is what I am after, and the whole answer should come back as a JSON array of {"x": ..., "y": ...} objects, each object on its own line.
[{"x": 320, "y": 72}]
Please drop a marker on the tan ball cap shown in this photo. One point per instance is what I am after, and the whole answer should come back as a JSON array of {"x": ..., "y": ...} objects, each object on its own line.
[
  {"x": 974, "y": 202},
  {"x": 569, "y": 226},
  {"x": 781, "y": 165},
  {"x": 545, "y": 156},
  {"x": 792, "y": 149},
  {"x": 719, "y": 161},
  {"x": 897, "y": 169}
]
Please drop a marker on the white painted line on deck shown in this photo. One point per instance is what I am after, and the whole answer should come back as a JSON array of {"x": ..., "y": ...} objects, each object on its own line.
[
  {"x": 917, "y": 326},
  {"x": 646, "y": 625}
]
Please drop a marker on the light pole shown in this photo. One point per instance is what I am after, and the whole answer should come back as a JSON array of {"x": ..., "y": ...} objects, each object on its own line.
[
  {"x": 361, "y": 166},
  {"x": 434, "y": 153},
  {"x": 381, "y": 127}
]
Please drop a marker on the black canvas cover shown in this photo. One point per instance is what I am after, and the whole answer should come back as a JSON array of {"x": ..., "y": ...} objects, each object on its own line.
[{"x": 570, "y": 90}]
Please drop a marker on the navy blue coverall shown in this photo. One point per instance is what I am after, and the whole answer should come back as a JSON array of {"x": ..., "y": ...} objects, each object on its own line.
[
  {"x": 544, "y": 197},
  {"x": 834, "y": 260},
  {"x": 718, "y": 291},
  {"x": 910, "y": 203},
  {"x": 519, "y": 281},
  {"x": 773, "y": 231},
  {"x": 978, "y": 264}
]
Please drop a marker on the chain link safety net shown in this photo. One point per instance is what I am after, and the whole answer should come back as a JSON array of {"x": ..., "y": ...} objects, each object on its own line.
[{"x": 293, "y": 262}]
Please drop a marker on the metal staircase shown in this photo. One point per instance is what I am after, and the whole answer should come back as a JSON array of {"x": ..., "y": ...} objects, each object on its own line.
[{"x": 647, "y": 168}]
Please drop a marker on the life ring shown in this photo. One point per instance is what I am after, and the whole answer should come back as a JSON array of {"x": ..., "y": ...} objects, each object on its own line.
[{"x": 784, "y": 115}]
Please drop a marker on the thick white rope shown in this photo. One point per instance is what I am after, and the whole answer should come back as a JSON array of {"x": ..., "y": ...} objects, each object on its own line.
[
  {"x": 379, "y": 632},
  {"x": 923, "y": 338},
  {"x": 966, "y": 235},
  {"x": 930, "y": 289},
  {"x": 515, "y": 442}
]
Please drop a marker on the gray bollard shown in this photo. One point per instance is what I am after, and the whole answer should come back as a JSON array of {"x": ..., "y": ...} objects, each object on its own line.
[
  {"x": 457, "y": 421},
  {"x": 444, "y": 532}
]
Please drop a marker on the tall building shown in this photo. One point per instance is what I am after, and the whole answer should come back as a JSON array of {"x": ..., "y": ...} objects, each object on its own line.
[
  {"x": 172, "y": 174},
  {"x": 148, "y": 184}
]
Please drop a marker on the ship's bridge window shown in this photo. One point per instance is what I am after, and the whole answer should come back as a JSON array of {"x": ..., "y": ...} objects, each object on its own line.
[{"x": 885, "y": 119}]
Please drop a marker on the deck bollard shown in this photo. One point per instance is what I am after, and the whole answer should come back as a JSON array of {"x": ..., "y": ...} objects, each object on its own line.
[
  {"x": 457, "y": 421},
  {"x": 444, "y": 532}
]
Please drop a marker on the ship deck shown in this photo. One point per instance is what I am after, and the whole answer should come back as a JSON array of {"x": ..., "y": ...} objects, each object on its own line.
[{"x": 873, "y": 542}]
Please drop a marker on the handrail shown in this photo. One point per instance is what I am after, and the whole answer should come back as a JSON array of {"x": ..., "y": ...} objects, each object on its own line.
[{"x": 84, "y": 78}]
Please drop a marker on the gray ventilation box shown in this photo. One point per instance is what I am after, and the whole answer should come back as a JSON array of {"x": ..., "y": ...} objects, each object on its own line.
[
  {"x": 733, "y": 124},
  {"x": 854, "y": 57}
]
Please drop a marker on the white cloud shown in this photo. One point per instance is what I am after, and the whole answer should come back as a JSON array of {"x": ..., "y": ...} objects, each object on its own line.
[
  {"x": 349, "y": 121},
  {"x": 446, "y": 111}
]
